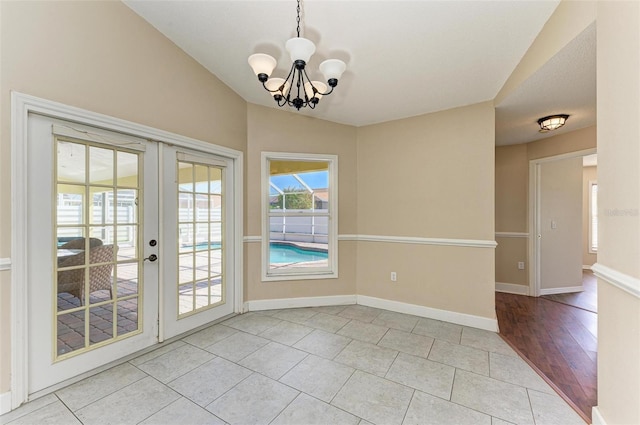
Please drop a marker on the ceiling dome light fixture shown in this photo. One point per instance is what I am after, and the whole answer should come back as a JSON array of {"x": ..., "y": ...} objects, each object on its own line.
[
  {"x": 552, "y": 122},
  {"x": 297, "y": 89}
]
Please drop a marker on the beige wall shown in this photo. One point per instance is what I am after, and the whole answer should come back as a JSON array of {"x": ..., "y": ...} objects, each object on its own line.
[
  {"x": 512, "y": 187},
  {"x": 561, "y": 223},
  {"x": 102, "y": 57},
  {"x": 274, "y": 130},
  {"x": 429, "y": 176},
  {"x": 572, "y": 141},
  {"x": 618, "y": 78},
  {"x": 589, "y": 174}
]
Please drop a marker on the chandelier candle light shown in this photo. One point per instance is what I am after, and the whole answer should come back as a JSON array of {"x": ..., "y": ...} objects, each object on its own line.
[{"x": 297, "y": 89}]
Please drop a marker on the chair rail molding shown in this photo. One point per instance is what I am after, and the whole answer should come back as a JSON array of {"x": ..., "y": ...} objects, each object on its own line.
[
  {"x": 621, "y": 280},
  {"x": 5, "y": 264},
  {"x": 473, "y": 243},
  {"x": 512, "y": 234}
]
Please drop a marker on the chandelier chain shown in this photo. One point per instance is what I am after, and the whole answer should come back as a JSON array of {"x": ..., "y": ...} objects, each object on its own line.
[{"x": 298, "y": 18}]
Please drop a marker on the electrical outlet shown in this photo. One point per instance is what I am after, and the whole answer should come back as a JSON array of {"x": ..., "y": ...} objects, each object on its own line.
[
  {"x": 520, "y": 265},
  {"x": 394, "y": 276}
]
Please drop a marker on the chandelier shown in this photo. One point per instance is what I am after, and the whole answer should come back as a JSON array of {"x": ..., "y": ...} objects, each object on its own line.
[
  {"x": 297, "y": 89},
  {"x": 552, "y": 122}
]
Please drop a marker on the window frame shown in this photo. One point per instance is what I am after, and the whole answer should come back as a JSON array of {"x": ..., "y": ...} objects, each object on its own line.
[
  {"x": 592, "y": 249},
  {"x": 331, "y": 271}
]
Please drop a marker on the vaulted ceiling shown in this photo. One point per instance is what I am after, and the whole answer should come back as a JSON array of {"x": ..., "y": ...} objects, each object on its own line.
[{"x": 404, "y": 58}]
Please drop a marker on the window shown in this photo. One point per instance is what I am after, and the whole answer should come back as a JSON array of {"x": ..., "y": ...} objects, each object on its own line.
[
  {"x": 593, "y": 217},
  {"x": 299, "y": 231}
]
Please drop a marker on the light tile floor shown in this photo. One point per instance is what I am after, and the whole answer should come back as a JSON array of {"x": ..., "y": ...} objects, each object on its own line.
[{"x": 326, "y": 365}]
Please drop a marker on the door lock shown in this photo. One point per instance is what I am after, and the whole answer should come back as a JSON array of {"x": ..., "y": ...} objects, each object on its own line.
[
  {"x": 153, "y": 242},
  {"x": 152, "y": 258}
]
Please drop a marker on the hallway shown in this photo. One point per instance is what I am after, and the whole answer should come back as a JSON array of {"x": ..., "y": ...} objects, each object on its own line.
[{"x": 557, "y": 339}]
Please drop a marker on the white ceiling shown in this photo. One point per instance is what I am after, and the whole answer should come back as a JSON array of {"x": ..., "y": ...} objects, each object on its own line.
[
  {"x": 404, "y": 58},
  {"x": 566, "y": 84}
]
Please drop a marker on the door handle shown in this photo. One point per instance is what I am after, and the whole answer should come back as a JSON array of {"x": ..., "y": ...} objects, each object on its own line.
[{"x": 152, "y": 258}]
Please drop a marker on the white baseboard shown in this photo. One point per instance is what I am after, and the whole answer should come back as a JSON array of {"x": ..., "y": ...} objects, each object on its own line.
[
  {"x": 431, "y": 313},
  {"x": 512, "y": 288},
  {"x": 258, "y": 305},
  {"x": 586, "y": 267},
  {"x": 565, "y": 290},
  {"x": 400, "y": 307},
  {"x": 5, "y": 403},
  {"x": 596, "y": 417}
]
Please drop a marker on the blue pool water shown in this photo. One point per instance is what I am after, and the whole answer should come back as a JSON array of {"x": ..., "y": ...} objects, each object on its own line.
[
  {"x": 282, "y": 253},
  {"x": 292, "y": 254}
]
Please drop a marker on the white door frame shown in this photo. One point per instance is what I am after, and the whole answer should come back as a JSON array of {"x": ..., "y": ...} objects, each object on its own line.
[
  {"x": 534, "y": 215},
  {"x": 21, "y": 106}
]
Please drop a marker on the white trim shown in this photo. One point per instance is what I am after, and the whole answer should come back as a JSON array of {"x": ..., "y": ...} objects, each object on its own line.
[
  {"x": 512, "y": 288},
  {"x": 21, "y": 106},
  {"x": 473, "y": 243},
  {"x": 596, "y": 417},
  {"x": 533, "y": 212},
  {"x": 302, "y": 273},
  {"x": 563, "y": 290},
  {"x": 431, "y": 313},
  {"x": 406, "y": 239},
  {"x": 623, "y": 281},
  {"x": 276, "y": 304},
  {"x": 586, "y": 267},
  {"x": 5, "y": 403},
  {"x": 5, "y": 264},
  {"x": 99, "y": 136},
  {"x": 512, "y": 235},
  {"x": 590, "y": 216}
]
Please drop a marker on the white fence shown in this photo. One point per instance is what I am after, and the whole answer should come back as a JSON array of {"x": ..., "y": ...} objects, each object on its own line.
[{"x": 299, "y": 228}]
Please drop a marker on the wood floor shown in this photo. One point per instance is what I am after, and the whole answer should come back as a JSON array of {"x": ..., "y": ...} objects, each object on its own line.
[
  {"x": 587, "y": 299},
  {"x": 557, "y": 339}
]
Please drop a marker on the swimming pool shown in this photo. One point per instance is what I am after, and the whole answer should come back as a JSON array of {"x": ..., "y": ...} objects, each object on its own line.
[{"x": 282, "y": 253}]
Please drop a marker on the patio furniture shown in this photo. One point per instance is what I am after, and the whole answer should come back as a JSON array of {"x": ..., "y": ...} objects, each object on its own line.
[
  {"x": 100, "y": 278},
  {"x": 79, "y": 243}
]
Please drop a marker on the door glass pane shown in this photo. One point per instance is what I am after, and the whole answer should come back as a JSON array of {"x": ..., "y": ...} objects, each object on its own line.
[
  {"x": 102, "y": 205},
  {"x": 70, "y": 205},
  {"x": 100, "y": 323},
  {"x": 101, "y": 166},
  {"x": 71, "y": 162},
  {"x": 97, "y": 268},
  {"x": 127, "y": 279},
  {"x": 127, "y": 317},
  {"x": 200, "y": 242}
]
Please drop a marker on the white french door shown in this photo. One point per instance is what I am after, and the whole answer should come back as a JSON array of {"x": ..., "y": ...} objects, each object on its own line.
[
  {"x": 129, "y": 242},
  {"x": 198, "y": 265},
  {"x": 93, "y": 201}
]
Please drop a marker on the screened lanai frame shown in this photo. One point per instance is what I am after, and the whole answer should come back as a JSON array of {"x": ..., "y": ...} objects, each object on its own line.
[{"x": 323, "y": 213}]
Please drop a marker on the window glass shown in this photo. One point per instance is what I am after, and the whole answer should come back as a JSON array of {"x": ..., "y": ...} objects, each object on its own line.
[{"x": 300, "y": 238}]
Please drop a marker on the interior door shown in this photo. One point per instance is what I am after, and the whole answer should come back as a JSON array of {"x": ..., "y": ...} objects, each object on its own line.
[
  {"x": 93, "y": 212},
  {"x": 198, "y": 222}
]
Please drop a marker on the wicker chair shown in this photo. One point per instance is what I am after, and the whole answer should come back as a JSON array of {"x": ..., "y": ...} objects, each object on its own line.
[
  {"x": 72, "y": 281},
  {"x": 79, "y": 243}
]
